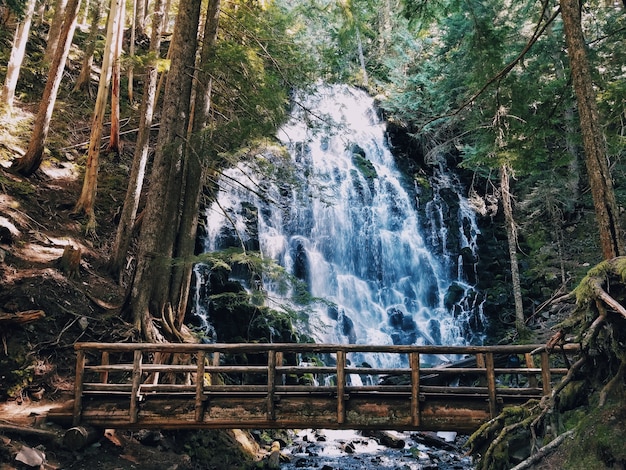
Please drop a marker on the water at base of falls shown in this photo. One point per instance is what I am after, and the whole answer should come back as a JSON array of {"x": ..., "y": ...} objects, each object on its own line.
[
  {"x": 350, "y": 450},
  {"x": 339, "y": 216}
]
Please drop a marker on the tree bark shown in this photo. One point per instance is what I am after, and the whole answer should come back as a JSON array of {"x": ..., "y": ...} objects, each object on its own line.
[
  {"x": 114, "y": 136},
  {"x": 54, "y": 35},
  {"x": 151, "y": 289},
  {"x": 607, "y": 214},
  {"x": 90, "y": 182},
  {"x": 194, "y": 166},
  {"x": 31, "y": 161},
  {"x": 16, "y": 58},
  {"x": 140, "y": 159},
  {"x": 511, "y": 235},
  {"x": 84, "y": 79}
]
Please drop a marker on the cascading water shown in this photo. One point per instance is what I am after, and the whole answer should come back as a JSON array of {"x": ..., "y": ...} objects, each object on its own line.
[{"x": 349, "y": 228}]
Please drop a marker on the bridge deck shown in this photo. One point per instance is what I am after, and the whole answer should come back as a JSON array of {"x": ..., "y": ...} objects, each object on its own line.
[{"x": 278, "y": 385}]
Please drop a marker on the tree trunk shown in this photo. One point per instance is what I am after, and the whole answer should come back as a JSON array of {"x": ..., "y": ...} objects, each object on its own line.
[
  {"x": 90, "y": 182},
  {"x": 131, "y": 53},
  {"x": 114, "y": 137},
  {"x": 55, "y": 31},
  {"x": 140, "y": 159},
  {"x": 607, "y": 215},
  {"x": 84, "y": 79},
  {"x": 31, "y": 161},
  {"x": 151, "y": 289},
  {"x": 16, "y": 58},
  {"x": 511, "y": 235},
  {"x": 193, "y": 169}
]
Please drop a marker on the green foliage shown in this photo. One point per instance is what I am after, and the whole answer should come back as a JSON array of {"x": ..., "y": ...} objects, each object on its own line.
[
  {"x": 16, "y": 7},
  {"x": 255, "y": 63}
]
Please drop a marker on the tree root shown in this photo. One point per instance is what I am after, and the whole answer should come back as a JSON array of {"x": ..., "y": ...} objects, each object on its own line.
[{"x": 613, "y": 385}]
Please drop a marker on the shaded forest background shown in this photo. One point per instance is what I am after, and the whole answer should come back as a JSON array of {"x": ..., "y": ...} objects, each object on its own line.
[{"x": 484, "y": 88}]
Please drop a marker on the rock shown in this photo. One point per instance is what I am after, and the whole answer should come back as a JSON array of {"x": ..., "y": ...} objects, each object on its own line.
[{"x": 31, "y": 457}]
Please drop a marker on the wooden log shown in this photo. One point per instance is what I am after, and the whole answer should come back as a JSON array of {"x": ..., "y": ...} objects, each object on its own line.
[
  {"x": 24, "y": 431},
  {"x": 19, "y": 318},
  {"x": 79, "y": 437}
]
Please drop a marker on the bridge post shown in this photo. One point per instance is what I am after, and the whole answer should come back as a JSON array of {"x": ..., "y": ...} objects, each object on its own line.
[
  {"x": 491, "y": 385},
  {"x": 271, "y": 384},
  {"x": 78, "y": 387},
  {"x": 546, "y": 376},
  {"x": 530, "y": 364},
  {"x": 414, "y": 360},
  {"x": 134, "y": 411},
  {"x": 341, "y": 384},
  {"x": 199, "y": 386}
]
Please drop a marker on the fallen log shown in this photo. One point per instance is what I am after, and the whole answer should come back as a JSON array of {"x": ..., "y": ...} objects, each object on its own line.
[
  {"x": 79, "y": 437},
  {"x": 25, "y": 431}
]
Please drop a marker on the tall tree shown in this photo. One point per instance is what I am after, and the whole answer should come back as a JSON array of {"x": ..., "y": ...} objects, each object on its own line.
[
  {"x": 31, "y": 160},
  {"x": 114, "y": 136},
  {"x": 140, "y": 159},
  {"x": 84, "y": 78},
  {"x": 16, "y": 58},
  {"x": 607, "y": 214},
  {"x": 55, "y": 30},
  {"x": 194, "y": 166},
  {"x": 85, "y": 203},
  {"x": 151, "y": 293}
]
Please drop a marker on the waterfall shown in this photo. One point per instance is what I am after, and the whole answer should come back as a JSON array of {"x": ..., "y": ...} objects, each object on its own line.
[{"x": 338, "y": 215}]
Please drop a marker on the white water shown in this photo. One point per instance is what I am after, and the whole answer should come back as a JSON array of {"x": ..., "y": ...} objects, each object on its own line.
[{"x": 356, "y": 241}]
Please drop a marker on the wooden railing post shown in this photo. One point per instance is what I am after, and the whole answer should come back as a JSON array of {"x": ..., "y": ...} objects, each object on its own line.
[
  {"x": 271, "y": 384},
  {"x": 199, "y": 386},
  {"x": 279, "y": 363},
  {"x": 134, "y": 410},
  {"x": 546, "y": 376},
  {"x": 341, "y": 386},
  {"x": 414, "y": 360},
  {"x": 491, "y": 385},
  {"x": 530, "y": 364},
  {"x": 104, "y": 375},
  {"x": 215, "y": 362},
  {"x": 78, "y": 387}
]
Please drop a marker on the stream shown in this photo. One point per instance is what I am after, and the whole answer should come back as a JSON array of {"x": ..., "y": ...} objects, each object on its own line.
[{"x": 353, "y": 450}]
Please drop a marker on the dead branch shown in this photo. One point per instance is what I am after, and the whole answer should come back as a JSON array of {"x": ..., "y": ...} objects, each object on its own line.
[
  {"x": 542, "y": 452},
  {"x": 19, "y": 318},
  {"x": 610, "y": 301}
]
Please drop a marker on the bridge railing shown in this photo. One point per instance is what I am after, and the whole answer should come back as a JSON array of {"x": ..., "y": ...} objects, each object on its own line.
[{"x": 200, "y": 371}]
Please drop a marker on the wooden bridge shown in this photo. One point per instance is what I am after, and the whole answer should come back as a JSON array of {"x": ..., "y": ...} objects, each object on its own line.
[{"x": 291, "y": 386}]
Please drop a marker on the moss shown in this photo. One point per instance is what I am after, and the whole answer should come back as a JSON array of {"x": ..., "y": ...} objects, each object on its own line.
[
  {"x": 364, "y": 166},
  {"x": 600, "y": 440}
]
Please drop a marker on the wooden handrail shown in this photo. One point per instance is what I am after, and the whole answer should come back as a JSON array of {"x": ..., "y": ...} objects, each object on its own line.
[{"x": 118, "y": 374}]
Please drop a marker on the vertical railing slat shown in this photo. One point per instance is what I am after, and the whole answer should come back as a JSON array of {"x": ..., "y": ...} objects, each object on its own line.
[
  {"x": 491, "y": 384},
  {"x": 134, "y": 410},
  {"x": 414, "y": 360},
  {"x": 341, "y": 386},
  {"x": 78, "y": 387},
  {"x": 199, "y": 386},
  {"x": 530, "y": 364},
  {"x": 271, "y": 384},
  {"x": 546, "y": 376},
  {"x": 104, "y": 375}
]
